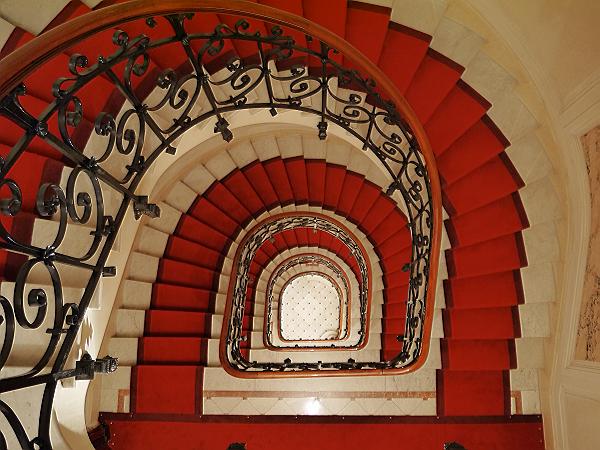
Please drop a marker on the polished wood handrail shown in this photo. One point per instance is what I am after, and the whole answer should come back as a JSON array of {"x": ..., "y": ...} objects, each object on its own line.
[
  {"x": 304, "y": 374},
  {"x": 15, "y": 67}
]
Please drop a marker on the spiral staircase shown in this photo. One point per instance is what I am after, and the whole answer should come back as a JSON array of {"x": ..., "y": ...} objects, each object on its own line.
[{"x": 167, "y": 312}]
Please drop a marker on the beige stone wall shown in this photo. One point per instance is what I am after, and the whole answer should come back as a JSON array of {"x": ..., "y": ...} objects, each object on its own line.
[{"x": 588, "y": 335}]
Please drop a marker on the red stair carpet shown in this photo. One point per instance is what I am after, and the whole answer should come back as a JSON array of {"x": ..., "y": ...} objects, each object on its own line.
[
  {"x": 486, "y": 218},
  {"x": 327, "y": 433}
]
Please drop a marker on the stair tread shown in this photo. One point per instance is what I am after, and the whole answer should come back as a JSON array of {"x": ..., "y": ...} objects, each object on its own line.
[
  {"x": 153, "y": 395},
  {"x": 474, "y": 190},
  {"x": 405, "y": 45},
  {"x": 501, "y": 217},
  {"x": 496, "y": 255},
  {"x": 434, "y": 79},
  {"x": 474, "y": 393},
  {"x": 464, "y": 106},
  {"x": 366, "y": 29}
]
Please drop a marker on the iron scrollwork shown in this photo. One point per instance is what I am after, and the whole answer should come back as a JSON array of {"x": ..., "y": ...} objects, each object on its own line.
[
  {"x": 235, "y": 333},
  {"x": 107, "y": 156}
]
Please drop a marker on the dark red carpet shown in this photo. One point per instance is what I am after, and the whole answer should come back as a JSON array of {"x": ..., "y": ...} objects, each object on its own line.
[{"x": 328, "y": 433}]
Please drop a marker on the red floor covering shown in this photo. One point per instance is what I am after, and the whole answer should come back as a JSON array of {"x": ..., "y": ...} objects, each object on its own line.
[
  {"x": 480, "y": 189},
  {"x": 327, "y": 433}
]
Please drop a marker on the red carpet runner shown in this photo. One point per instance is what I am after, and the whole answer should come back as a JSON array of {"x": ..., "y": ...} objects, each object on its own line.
[
  {"x": 486, "y": 217},
  {"x": 328, "y": 433}
]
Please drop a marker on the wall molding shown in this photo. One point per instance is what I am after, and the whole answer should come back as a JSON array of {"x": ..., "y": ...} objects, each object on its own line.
[{"x": 582, "y": 107}]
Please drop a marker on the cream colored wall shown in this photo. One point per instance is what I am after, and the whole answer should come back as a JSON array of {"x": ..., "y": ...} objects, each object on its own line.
[
  {"x": 582, "y": 415},
  {"x": 563, "y": 36}
]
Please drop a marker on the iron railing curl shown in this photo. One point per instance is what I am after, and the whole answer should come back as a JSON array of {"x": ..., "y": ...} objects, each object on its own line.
[{"x": 107, "y": 153}]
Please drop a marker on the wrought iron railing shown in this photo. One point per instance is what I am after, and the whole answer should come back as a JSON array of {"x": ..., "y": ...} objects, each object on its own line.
[
  {"x": 281, "y": 74},
  {"x": 233, "y": 333}
]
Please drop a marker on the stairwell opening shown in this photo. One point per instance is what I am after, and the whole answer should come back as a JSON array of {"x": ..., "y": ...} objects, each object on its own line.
[{"x": 310, "y": 308}]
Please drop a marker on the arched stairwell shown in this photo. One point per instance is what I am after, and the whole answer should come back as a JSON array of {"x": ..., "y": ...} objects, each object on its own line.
[
  {"x": 178, "y": 267},
  {"x": 485, "y": 219},
  {"x": 282, "y": 321},
  {"x": 268, "y": 280}
]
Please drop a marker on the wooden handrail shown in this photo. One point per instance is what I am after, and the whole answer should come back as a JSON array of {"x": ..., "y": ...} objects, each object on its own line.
[
  {"x": 15, "y": 67},
  {"x": 304, "y": 374}
]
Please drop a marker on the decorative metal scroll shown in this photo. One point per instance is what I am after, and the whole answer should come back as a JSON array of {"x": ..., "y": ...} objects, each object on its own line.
[
  {"x": 107, "y": 156},
  {"x": 311, "y": 260},
  {"x": 235, "y": 333}
]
